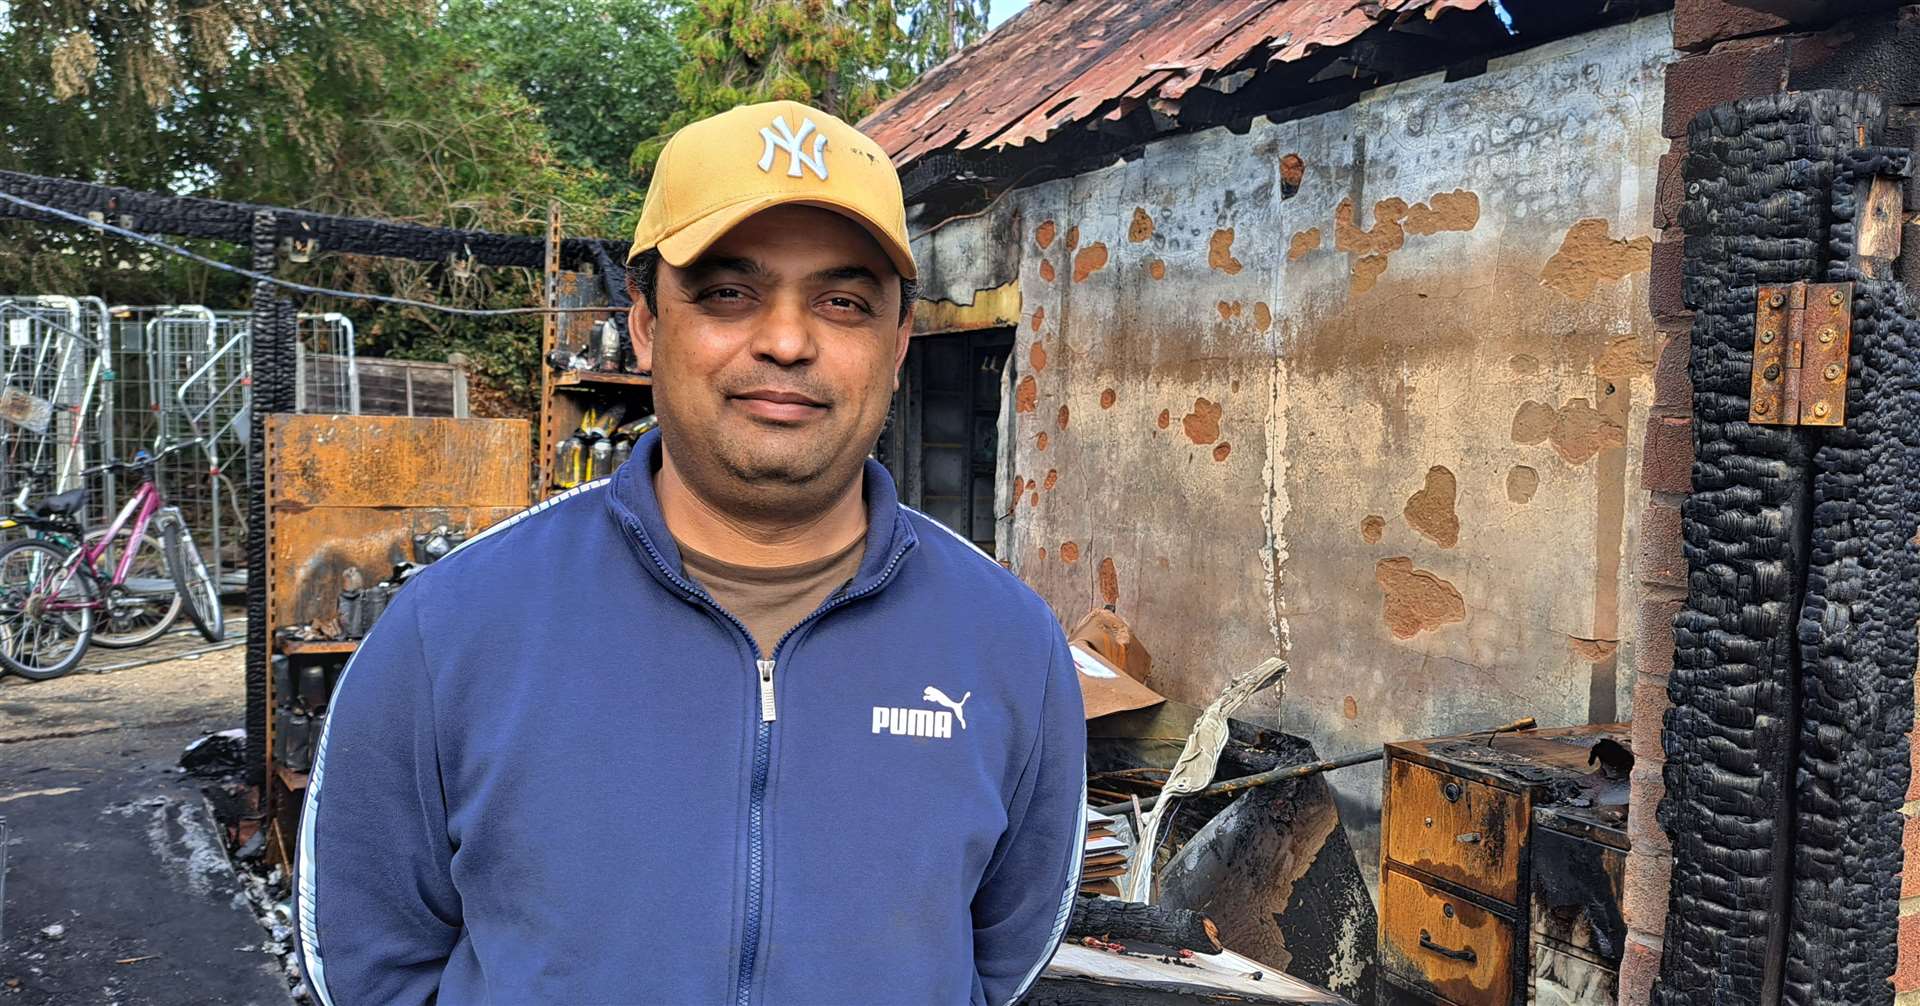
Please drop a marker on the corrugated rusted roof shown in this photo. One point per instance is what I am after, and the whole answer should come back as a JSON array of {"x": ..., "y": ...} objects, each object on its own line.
[{"x": 1063, "y": 62}]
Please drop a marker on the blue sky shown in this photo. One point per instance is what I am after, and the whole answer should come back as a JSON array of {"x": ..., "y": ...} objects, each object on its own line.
[{"x": 1002, "y": 10}]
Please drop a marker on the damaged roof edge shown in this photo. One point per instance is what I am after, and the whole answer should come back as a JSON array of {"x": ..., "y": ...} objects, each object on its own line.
[{"x": 1061, "y": 63}]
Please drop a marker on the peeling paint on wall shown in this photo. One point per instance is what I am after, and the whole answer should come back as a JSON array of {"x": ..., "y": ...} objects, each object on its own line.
[
  {"x": 1592, "y": 650},
  {"x": 1043, "y": 235},
  {"x": 1202, "y": 425},
  {"x": 1522, "y": 482},
  {"x": 1355, "y": 398},
  {"x": 1303, "y": 243},
  {"x": 1109, "y": 581},
  {"x": 1141, "y": 228},
  {"x": 1220, "y": 252},
  {"x": 1088, "y": 261},
  {"x": 1588, "y": 257},
  {"x": 1578, "y": 430},
  {"x": 1037, "y": 356},
  {"x": 1416, "y": 601},
  {"x": 1430, "y": 511},
  {"x": 1027, "y": 395}
]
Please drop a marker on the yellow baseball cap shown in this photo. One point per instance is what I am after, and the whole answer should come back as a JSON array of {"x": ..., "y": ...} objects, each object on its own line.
[{"x": 723, "y": 169}]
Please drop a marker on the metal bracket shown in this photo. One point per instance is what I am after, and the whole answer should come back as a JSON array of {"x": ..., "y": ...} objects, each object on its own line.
[{"x": 1801, "y": 337}]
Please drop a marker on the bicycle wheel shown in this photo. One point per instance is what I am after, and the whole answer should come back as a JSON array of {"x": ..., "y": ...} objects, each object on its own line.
[
  {"x": 197, "y": 589},
  {"x": 46, "y": 610},
  {"x": 142, "y": 607}
]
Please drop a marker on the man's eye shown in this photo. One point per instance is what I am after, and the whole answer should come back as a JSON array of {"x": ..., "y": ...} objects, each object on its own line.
[
  {"x": 722, "y": 293},
  {"x": 848, "y": 303}
]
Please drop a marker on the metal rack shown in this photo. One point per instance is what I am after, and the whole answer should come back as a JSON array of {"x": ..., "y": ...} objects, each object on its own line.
[{"x": 57, "y": 385}]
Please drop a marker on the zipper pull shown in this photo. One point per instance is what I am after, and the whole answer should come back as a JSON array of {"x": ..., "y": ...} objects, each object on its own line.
[{"x": 766, "y": 691}]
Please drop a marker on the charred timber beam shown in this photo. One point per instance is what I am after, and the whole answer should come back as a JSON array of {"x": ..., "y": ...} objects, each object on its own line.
[
  {"x": 191, "y": 217},
  {"x": 1122, "y": 921}
]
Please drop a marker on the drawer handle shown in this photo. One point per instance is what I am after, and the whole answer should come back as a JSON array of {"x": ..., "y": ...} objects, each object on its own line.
[{"x": 1464, "y": 954}]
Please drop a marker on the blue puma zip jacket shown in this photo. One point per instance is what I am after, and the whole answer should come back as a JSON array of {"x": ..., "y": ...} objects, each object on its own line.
[{"x": 557, "y": 772}]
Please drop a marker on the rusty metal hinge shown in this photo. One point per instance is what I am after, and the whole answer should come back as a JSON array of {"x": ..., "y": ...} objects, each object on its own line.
[{"x": 1801, "y": 335}]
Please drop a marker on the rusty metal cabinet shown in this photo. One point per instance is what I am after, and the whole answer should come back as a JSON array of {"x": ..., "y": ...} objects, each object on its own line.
[{"x": 1502, "y": 861}]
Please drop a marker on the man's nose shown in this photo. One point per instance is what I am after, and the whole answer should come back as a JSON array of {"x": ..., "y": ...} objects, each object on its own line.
[{"x": 785, "y": 334}]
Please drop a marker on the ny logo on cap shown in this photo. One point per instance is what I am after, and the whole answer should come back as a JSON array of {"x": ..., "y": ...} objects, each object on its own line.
[{"x": 790, "y": 141}]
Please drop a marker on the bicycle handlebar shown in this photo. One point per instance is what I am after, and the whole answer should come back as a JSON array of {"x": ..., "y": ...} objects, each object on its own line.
[{"x": 148, "y": 462}]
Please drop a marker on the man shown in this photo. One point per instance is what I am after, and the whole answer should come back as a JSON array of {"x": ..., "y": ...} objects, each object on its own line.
[{"x": 732, "y": 726}]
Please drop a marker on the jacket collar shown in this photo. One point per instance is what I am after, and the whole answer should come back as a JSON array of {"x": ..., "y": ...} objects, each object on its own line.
[{"x": 634, "y": 504}]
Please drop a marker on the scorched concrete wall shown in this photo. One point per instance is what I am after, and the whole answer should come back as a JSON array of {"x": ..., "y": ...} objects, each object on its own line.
[{"x": 1366, "y": 390}]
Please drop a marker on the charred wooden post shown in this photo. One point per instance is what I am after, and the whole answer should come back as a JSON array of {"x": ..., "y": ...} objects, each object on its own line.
[
  {"x": 267, "y": 385},
  {"x": 1792, "y": 686},
  {"x": 1121, "y": 921}
]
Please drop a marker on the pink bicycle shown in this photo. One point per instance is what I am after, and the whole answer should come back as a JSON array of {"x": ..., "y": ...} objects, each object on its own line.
[{"x": 55, "y": 597}]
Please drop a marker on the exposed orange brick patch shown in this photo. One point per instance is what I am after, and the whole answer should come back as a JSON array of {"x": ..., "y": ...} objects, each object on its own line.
[
  {"x": 1372, "y": 527},
  {"x": 1416, "y": 601},
  {"x": 1106, "y": 398},
  {"x": 1043, "y": 235},
  {"x": 1303, "y": 243},
  {"x": 1037, "y": 356},
  {"x": 1088, "y": 261},
  {"x": 1166, "y": 417},
  {"x": 1221, "y": 450},
  {"x": 1141, "y": 228},
  {"x": 1026, "y": 395},
  {"x": 1069, "y": 551},
  {"x": 1366, "y": 272},
  {"x": 1063, "y": 417},
  {"x": 1157, "y": 269},
  {"x": 1039, "y": 317},
  {"x": 1592, "y": 650},
  {"x": 1431, "y": 512},
  {"x": 1292, "y": 170},
  {"x": 1109, "y": 581},
  {"x": 1202, "y": 425},
  {"x": 1220, "y": 252},
  {"x": 1053, "y": 476},
  {"x": 1262, "y": 316},
  {"x": 1577, "y": 429},
  {"x": 1588, "y": 257},
  {"x": 1458, "y": 210},
  {"x": 1040, "y": 441},
  {"x": 1350, "y": 709},
  {"x": 1046, "y": 270},
  {"x": 1228, "y": 309},
  {"x": 1073, "y": 237}
]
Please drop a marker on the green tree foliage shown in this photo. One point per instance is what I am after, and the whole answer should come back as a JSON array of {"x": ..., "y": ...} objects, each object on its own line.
[
  {"x": 361, "y": 107},
  {"x": 600, "y": 71},
  {"x": 843, "y": 56}
]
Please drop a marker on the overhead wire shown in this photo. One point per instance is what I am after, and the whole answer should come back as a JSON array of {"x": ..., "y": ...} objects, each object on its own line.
[{"x": 260, "y": 277}]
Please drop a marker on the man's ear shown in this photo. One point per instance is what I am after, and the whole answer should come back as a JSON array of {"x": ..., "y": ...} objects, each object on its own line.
[
  {"x": 905, "y": 336},
  {"x": 640, "y": 322}
]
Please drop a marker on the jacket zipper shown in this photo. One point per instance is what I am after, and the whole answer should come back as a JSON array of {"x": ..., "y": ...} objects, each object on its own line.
[{"x": 762, "y": 750}]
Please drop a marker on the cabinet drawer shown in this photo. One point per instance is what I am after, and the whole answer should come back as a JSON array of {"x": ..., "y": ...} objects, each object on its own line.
[
  {"x": 1459, "y": 951},
  {"x": 1463, "y": 832}
]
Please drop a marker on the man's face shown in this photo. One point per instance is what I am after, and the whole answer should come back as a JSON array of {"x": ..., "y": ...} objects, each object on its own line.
[{"x": 774, "y": 357}]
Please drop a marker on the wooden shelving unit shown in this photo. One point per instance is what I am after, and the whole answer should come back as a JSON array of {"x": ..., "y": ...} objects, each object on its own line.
[
  {"x": 566, "y": 395},
  {"x": 317, "y": 647}
]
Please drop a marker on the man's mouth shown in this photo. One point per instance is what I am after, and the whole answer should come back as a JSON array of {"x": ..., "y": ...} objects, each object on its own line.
[{"x": 779, "y": 406}]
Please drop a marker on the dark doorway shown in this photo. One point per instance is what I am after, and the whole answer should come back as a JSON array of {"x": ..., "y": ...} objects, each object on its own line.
[{"x": 942, "y": 441}]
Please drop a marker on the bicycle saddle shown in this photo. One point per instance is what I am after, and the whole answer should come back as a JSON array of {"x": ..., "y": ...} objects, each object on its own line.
[{"x": 64, "y": 505}]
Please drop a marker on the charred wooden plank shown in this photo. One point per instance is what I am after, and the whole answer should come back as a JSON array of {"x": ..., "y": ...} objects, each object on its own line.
[{"x": 1121, "y": 921}]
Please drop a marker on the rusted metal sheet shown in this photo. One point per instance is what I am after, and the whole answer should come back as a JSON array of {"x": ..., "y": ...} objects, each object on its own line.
[
  {"x": 396, "y": 461},
  {"x": 1059, "y": 64},
  {"x": 1801, "y": 337}
]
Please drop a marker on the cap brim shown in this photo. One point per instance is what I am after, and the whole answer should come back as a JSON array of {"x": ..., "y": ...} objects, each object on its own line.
[{"x": 683, "y": 246}]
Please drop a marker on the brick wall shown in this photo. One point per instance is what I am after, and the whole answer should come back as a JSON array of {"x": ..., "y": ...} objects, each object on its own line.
[{"x": 1727, "y": 50}]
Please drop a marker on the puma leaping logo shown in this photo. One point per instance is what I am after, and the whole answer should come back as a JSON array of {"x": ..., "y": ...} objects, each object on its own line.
[{"x": 938, "y": 697}]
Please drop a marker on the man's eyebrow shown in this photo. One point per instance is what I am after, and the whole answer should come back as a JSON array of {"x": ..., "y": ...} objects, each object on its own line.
[
  {"x": 708, "y": 266},
  {"x": 848, "y": 272}
]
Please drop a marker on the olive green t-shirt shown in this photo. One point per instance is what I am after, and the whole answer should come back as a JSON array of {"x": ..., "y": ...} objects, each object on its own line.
[{"x": 769, "y": 600}]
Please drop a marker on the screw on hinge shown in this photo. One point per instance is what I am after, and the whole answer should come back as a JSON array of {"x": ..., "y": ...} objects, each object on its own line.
[
  {"x": 1760, "y": 407},
  {"x": 1827, "y": 336},
  {"x": 1777, "y": 299},
  {"x": 1834, "y": 298},
  {"x": 1766, "y": 336},
  {"x": 1833, "y": 371},
  {"x": 1773, "y": 372},
  {"x": 1820, "y": 409}
]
